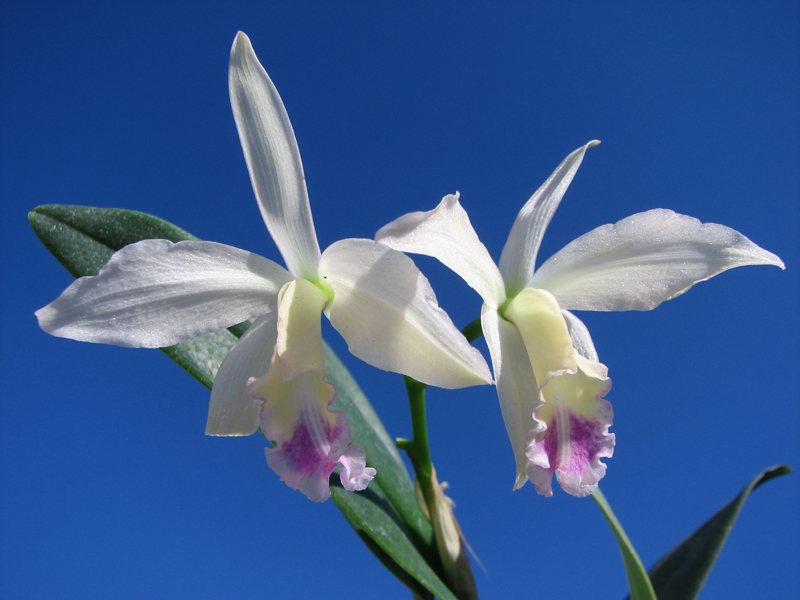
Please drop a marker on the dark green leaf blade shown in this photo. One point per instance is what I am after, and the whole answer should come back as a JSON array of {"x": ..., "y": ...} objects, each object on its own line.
[
  {"x": 113, "y": 228},
  {"x": 370, "y": 513},
  {"x": 78, "y": 253},
  {"x": 682, "y": 572},
  {"x": 638, "y": 581}
]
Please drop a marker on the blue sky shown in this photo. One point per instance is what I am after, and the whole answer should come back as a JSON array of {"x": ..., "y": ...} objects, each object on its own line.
[{"x": 109, "y": 487}]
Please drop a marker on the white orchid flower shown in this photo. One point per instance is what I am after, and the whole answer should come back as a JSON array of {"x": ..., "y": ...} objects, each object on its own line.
[
  {"x": 155, "y": 293},
  {"x": 549, "y": 380}
]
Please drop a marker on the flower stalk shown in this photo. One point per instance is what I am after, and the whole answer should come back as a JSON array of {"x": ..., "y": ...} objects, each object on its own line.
[{"x": 437, "y": 507}]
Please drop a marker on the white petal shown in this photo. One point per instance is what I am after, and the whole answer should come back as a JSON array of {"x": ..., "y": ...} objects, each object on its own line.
[
  {"x": 516, "y": 384},
  {"x": 155, "y": 293},
  {"x": 386, "y": 310},
  {"x": 232, "y": 411},
  {"x": 644, "y": 260},
  {"x": 445, "y": 233},
  {"x": 539, "y": 321},
  {"x": 273, "y": 160},
  {"x": 519, "y": 254},
  {"x": 581, "y": 339},
  {"x": 299, "y": 328}
]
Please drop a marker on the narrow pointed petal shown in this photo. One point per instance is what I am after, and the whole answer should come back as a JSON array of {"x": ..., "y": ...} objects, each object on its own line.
[
  {"x": 310, "y": 439},
  {"x": 386, "y": 310},
  {"x": 581, "y": 339},
  {"x": 155, "y": 293},
  {"x": 516, "y": 384},
  {"x": 446, "y": 234},
  {"x": 519, "y": 254},
  {"x": 232, "y": 411},
  {"x": 538, "y": 319},
  {"x": 273, "y": 160},
  {"x": 299, "y": 328},
  {"x": 643, "y": 260},
  {"x": 574, "y": 436}
]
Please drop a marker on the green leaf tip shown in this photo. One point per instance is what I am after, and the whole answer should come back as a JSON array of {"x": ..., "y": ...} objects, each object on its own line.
[
  {"x": 638, "y": 581},
  {"x": 681, "y": 573}
]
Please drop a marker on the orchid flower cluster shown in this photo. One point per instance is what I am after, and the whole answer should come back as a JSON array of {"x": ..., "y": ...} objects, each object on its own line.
[{"x": 550, "y": 382}]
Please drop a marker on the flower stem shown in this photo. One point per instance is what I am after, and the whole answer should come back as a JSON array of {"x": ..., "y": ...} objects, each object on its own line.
[
  {"x": 417, "y": 448},
  {"x": 455, "y": 567},
  {"x": 473, "y": 331}
]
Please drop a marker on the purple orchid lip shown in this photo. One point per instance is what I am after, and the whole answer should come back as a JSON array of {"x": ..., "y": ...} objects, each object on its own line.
[
  {"x": 571, "y": 446},
  {"x": 310, "y": 439},
  {"x": 304, "y": 465}
]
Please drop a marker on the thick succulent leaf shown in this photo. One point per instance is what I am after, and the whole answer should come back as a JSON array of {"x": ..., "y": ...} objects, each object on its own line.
[
  {"x": 62, "y": 229},
  {"x": 639, "y": 583},
  {"x": 417, "y": 591},
  {"x": 202, "y": 356},
  {"x": 369, "y": 513},
  {"x": 682, "y": 572},
  {"x": 83, "y": 239}
]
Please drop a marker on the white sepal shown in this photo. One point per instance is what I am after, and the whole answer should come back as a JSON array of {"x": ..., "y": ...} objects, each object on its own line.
[
  {"x": 155, "y": 293},
  {"x": 273, "y": 160},
  {"x": 446, "y": 234},
  {"x": 519, "y": 254}
]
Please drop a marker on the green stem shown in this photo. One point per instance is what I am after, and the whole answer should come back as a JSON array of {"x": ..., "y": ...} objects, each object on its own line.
[
  {"x": 473, "y": 331},
  {"x": 417, "y": 448},
  {"x": 638, "y": 580},
  {"x": 455, "y": 570}
]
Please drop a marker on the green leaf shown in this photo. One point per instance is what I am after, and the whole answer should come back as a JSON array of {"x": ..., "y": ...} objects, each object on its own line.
[
  {"x": 682, "y": 572},
  {"x": 370, "y": 514},
  {"x": 83, "y": 239},
  {"x": 638, "y": 581}
]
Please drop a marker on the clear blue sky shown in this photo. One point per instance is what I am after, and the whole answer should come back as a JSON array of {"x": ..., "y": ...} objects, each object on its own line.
[{"x": 109, "y": 487}]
